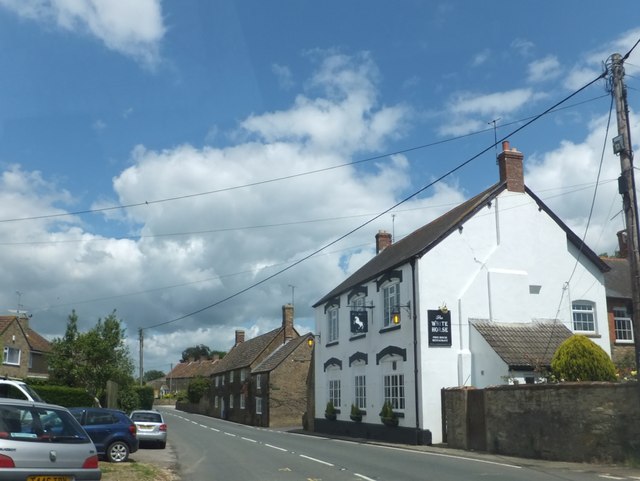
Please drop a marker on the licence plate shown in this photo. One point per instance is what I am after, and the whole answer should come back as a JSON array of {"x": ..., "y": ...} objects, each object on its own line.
[{"x": 48, "y": 478}]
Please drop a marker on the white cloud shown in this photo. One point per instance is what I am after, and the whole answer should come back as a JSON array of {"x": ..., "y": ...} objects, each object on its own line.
[
  {"x": 481, "y": 57},
  {"x": 523, "y": 46},
  {"x": 544, "y": 69},
  {"x": 134, "y": 28},
  {"x": 284, "y": 76},
  {"x": 195, "y": 252}
]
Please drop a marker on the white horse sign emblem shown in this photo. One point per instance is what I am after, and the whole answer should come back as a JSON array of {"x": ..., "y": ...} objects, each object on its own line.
[{"x": 359, "y": 322}]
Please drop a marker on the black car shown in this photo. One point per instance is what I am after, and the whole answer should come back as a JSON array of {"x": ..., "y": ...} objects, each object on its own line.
[{"x": 113, "y": 433}]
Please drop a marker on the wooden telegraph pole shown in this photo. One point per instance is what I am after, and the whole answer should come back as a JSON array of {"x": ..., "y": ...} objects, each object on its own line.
[{"x": 627, "y": 188}]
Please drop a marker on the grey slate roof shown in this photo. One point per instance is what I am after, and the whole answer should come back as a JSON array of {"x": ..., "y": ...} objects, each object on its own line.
[
  {"x": 280, "y": 354},
  {"x": 243, "y": 354},
  {"x": 523, "y": 346},
  {"x": 428, "y": 236},
  {"x": 618, "y": 280}
]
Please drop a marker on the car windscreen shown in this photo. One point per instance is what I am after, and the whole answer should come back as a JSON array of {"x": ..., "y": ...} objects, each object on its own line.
[
  {"x": 146, "y": 417},
  {"x": 34, "y": 424}
]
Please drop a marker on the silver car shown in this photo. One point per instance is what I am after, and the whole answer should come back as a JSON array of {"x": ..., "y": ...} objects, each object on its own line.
[
  {"x": 41, "y": 442},
  {"x": 151, "y": 427}
]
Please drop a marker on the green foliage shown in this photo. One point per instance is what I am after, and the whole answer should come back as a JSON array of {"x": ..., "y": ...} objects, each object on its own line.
[
  {"x": 145, "y": 397},
  {"x": 580, "y": 359},
  {"x": 181, "y": 395},
  {"x": 387, "y": 411},
  {"x": 196, "y": 353},
  {"x": 128, "y": 399},
  {"x": 152, "y": 375},
  {"x": 331, "y": 409},
  {"x": 90, "y": 359},
  {"x": 197, "y": 388},
  {"x": 65, "y": 396}
]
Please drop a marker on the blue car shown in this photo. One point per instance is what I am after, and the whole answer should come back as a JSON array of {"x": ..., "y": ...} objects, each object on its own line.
[{"x": 112, "y": 432}]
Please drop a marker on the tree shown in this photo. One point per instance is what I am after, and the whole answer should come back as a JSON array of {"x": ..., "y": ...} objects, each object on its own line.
[
  {"x": 152, "y": 375},
  {"x": 197, "y": 388},
  {"x": 580, "y": 359},
  {"x": 196, "y": 353},
  {"x": 92, "y": 358}
]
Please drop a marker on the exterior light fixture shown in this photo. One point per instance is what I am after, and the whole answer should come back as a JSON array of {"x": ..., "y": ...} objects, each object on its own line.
[
  {"x": 395, "y": 316},
  {"x": 310, "y": 342}
]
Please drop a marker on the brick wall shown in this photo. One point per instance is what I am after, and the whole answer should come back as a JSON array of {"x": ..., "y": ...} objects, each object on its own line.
[
  {"x": 20, "y": 342},
  {"x": 580, "y": 422}
]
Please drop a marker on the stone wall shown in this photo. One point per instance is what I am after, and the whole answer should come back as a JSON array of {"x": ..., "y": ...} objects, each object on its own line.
[{"x": 580, "y": 422}]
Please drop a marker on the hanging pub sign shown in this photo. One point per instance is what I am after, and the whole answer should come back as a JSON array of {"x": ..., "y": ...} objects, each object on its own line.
[
  {"x": 439, "y": 327},
  {"x": 359, "y": 322}
]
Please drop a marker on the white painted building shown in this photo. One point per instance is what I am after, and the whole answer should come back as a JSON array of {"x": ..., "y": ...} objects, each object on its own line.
[{"x": 481, "y": 296}]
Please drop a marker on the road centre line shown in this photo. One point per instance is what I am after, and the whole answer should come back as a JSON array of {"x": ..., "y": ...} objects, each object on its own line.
[
  {"x": 275, "y": 447},
  {"x": 230, "y": 434},
  {"x": 316, "y": 460},
  {"x": 452, "y": 456},
  {"x": 203, "y": 426},
  {"x": 214, "y": 429},
  {"x": 249, "y": 439},
  {"x": 362, "y": 476},
  {"x": 608, "y": 476}
]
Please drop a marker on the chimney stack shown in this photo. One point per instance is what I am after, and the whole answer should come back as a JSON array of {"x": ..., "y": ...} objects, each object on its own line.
[
  {"x": 287, "y": 322},
  {"x": 383, "y": 240},
  {"x": 510, "y": 165},
  {"x": 239, "y": 337}
]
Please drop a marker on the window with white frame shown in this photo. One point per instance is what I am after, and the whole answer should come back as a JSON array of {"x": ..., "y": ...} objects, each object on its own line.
[
  {"x": 216, "y": 402},
  {"x": 391, "y": 294},
  {"x": 258, "y": 382},
  {"x": 243, "y": 374},
  {"x": 222, "y": 380},
  {"x": 243, "y": 401},
  {"x": 11, "y": 356},
  {"x": 623, "y": 324},
  {"x": 334, "y": 392},
  {"x": 394, "y": 390},
  {"x": 583, "y": 316},
  {"x": 231, "y": 376},
  {"x": 258, "y": 405},
  {"x": 230, "y": 401},
  {"x": 332, "y": 324},
  {"x": 360, "y": 385}
]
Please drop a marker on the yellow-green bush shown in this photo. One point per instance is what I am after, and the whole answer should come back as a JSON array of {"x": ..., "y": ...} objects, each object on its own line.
[{"x": 580, "y": 359}]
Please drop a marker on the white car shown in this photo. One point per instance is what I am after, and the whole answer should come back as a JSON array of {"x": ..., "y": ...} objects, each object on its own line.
[{"x": 14, "y": 389}]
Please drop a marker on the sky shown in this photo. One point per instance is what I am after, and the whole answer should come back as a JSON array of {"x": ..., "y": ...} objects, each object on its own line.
[{"x": 195, "y": 165}]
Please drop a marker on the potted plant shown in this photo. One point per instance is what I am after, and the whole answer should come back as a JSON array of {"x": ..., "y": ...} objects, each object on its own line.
[
  {"x": 387, "y": 416},
  {"x": 356, "y": 413},
  {"x": 330, "y": 411}
]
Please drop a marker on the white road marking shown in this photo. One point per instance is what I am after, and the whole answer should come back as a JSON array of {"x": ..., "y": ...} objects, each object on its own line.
[
  {"x": 452, "y": 456},
  {"x": 366, "y": 478},
  {"x": 275, "y": 447},
  {"x": 608, "y": 476},
  {"x": 230, "y": 434},
  {"x": 214, "y": 429},
  {"x": 249, "y": 439},
  {"x": 316, "y": 460}
]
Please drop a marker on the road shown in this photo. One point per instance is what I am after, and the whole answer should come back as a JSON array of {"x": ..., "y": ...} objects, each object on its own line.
[{"x": 209, "y": 449}]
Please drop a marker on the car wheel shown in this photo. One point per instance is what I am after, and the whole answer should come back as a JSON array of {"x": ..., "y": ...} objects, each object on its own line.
[{"x": 117, "y": 452}]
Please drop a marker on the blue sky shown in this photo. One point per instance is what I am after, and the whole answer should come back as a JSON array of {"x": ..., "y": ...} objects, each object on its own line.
[{"x": 118, "y": 103}]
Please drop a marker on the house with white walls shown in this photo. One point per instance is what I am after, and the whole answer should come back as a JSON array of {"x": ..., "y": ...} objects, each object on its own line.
[{"x": 482, "y": 295}]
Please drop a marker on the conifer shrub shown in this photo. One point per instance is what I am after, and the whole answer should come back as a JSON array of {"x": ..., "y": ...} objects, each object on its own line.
[{"x": 580, "y": 359}]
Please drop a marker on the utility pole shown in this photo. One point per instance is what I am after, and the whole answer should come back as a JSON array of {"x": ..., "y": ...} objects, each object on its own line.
[
  {"x": 627, "y": 188},
  {"x": 141, "y": 336}
]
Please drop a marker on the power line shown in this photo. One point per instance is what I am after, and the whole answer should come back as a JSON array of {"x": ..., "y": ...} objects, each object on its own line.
[
  {"x": 419, "y": 191},
  {"x": 293, "y": 176}
]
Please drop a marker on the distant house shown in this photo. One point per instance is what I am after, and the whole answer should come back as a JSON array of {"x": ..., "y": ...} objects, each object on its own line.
[
  {"x": 480, "y": 296},
  {"x": 620, "y": 306},
  {"x": 184, "y": 372},
  {"x": 262, "y": 381},
  {"x": 24, "y": 350}
]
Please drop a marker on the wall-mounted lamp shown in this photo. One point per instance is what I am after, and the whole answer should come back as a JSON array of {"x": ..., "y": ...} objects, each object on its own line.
[
  {"x": 395, "y": 312},
  {"x": 312, "y": 340}
]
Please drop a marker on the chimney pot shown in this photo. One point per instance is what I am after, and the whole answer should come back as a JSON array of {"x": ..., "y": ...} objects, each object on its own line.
[
  {"x": 239, "y": 337},
  {"x": 505, "y": 145}
]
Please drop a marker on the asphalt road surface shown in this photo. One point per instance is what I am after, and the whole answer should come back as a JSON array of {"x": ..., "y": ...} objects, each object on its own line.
[{"x": 208, "y": 449}]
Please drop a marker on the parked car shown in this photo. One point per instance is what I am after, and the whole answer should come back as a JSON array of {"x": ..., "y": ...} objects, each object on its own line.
[
  {"x": 113, "y": 433},
  {"x": 151, "y": 427},
  {"x": 41, "y": 441},
  {"x": 14, "y": 389}
]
